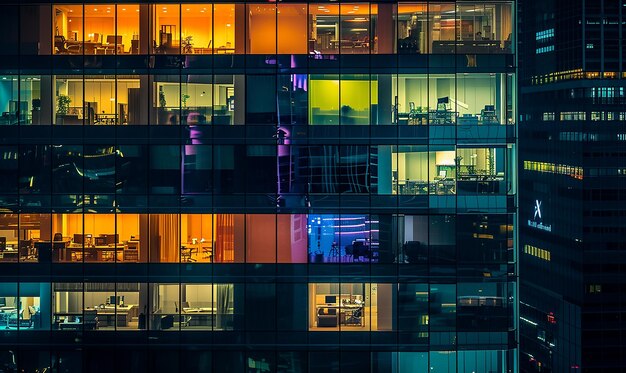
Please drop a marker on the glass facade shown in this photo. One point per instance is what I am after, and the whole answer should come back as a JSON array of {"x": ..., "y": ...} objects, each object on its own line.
[{"x": 259, "y": 187}]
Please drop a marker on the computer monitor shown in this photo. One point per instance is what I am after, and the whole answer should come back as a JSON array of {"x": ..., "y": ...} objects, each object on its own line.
[
  {"x": 78, "y": 238},
  {"x": 330, "y": 299},
  {"x": 443, "y": 174},
  {"x": 3, "y": 302},
  {"x": 490, "y": 108}
]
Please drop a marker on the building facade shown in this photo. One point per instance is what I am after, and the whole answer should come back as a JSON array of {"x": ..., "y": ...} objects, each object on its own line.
[
  {"x": 258, "y": 187},
  {"x": 571, "y": 186}
]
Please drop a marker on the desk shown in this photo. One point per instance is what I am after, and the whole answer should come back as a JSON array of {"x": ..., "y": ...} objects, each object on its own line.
[
  {"x": 224, "y": 50},
  {"x": 8, "y": 314},
  {"x": 10, "y": 255},
  {"x": 347, "y": 314},
  {"x": 202, "y": 50},
  {"x": 190, "y": 249},
  {"x": 100, "y": 253},
  {"x": 105, "y": 119},
  {"x": 114, "y": 315},
  {"x": 109, "y": 49},
  {"x": 410, "y": 187},
  {"x": 198, "y": 316}
]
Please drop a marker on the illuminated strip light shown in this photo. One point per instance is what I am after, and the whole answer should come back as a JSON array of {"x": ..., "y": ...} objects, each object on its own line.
[
  {"x": 528, "y": 321},
  {"x": 575, "y": 172},
  {"x": 537, "y": 252}
]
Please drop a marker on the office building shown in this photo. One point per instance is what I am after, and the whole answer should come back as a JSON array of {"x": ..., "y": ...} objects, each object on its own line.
[
  {"x": 258, "y": 187},
  {"x": 571, "y": 186}
]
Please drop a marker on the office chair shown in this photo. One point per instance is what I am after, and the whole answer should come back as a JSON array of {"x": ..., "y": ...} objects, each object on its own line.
[
  {"x": 185, "y": 255},
  {"x": 60, "y": 45},
  {"x": 90, "y": 319},
  {"x": 57, "y": 237},
  {"x": 356, "y": 318},
  {"x": 349, "y": 251}
]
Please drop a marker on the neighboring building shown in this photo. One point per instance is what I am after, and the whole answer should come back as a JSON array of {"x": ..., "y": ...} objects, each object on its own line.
[
  {"x": 572, "y": 167},
  {"x": 258, "y": 187}
]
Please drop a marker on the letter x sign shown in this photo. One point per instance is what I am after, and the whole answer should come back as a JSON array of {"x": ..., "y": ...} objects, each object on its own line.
[{"x": 537, "y": 209}]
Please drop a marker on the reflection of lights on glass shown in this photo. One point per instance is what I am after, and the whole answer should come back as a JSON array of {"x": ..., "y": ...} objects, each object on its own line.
[{"x": 228, "y": 25}]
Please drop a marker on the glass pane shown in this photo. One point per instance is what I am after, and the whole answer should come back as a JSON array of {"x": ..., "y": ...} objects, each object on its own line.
[
  {"x": 197, "y": 28},
  {"x": 68, "y": 29}
]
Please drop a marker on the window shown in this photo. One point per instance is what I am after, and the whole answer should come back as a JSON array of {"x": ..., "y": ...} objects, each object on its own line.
[{"x": 350, "y": 307}]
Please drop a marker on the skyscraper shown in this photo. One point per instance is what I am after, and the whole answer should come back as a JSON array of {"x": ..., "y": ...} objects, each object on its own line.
[
  {"x": 571, "y": 186},
  {"x": 258, "y": 187}
]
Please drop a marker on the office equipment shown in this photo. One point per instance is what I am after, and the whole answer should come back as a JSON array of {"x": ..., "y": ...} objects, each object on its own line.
[
  {"x": 3, "y": 243},
  {"x": 443, "y": 174},
  {"x": 131, "y": 251},
  {"x": 78, "y": 239},
  {"x": 330, "y": 299},
  {"x": 90, "y": 319},
  {"x": 488, "y": 115}
]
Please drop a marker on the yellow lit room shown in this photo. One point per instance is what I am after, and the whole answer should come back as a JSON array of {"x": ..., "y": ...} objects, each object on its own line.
[
  {"x": 96, "y": 237},
  {"x": 350, "y": 307},
  {"x": 96, "y": 100}
]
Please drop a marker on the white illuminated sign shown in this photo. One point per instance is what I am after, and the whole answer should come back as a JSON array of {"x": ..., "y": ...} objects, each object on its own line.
[{"x": 536, "y": 221}]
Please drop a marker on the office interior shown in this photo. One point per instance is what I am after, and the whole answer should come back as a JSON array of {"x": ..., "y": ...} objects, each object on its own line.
[
  {"x": 454, "y": 28},
  {"x": 356, "y": 307},
  {"x": 157, "y": 238},
  {"x": 316, "y": 28},
  {"x": 441, "y": 170},
  {"x": 253, "y": 238},
  {"x": 24, "y": 309},
  {"x": 347, "y": 238},
  {"x": 420, "y": 309},
  {"x": 467, "y": 99}
]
